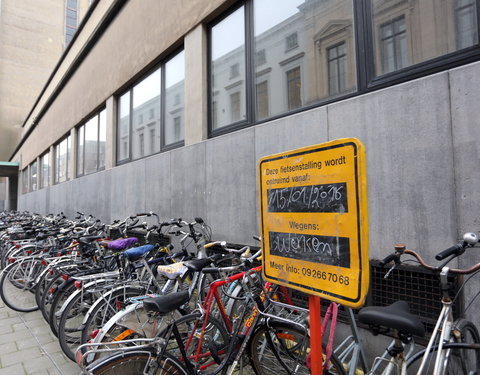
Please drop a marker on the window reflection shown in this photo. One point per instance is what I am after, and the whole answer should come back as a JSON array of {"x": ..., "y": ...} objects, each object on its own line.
[
  {"x": 174, "y": 96},
  {"x": 123, "y": 128},
  {"x": 45, "y": 170},
  {"x": 33, "y": 176},
  {"x": 91, "y": 143},
  {"x": 407, "y": 33},
  {"x": 146, "y": 97},
  {"x": 228, "y": 70},
  {"x": 304, "y": 53},
  {"x": 62, "y": 157}
]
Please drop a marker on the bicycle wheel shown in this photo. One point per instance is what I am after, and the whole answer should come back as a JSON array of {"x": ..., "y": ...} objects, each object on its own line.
[
  {"x": 17, "y": 285},
  {"x": 133, "y": 322},
  {"x": 462, "y": 356},
  {"x": 206, "y": 355},
  {"x": 71, "y": 318},
  {"x": 49, "y": 295},
  {"x": 105, "y": 308},
  {"x": 137, "y": 363},
  {"x": 281, "y": 348},
  {"x": 63, "y": 292}
]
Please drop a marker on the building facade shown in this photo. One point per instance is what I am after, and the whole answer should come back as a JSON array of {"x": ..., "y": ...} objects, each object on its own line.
[
  {"x": 168, "y": 106},
  {"x": 33, "y": 39}
]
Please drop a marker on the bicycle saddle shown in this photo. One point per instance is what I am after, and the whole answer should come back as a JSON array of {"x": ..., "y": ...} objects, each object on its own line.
[
  {"x": 396, "y": 316},
  {"x": 196, "y": 265},
  {"x": 167, "y": 303},
  {"x": 136, "y": 253}
]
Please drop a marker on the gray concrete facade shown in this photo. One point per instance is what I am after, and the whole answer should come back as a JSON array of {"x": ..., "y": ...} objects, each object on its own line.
[{"x": 421, "y": 153}]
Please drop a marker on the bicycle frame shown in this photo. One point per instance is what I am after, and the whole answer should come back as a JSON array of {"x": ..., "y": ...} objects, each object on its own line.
[{"x": 445, "y": 320}]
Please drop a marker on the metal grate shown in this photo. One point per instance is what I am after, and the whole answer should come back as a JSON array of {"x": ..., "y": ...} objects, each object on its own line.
[{"x": 420, "y": 288}]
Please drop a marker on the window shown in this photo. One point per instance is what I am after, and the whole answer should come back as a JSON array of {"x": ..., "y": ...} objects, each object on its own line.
[
  {"x": 123, "y": 127},
  {"x": 25, "y": 178},
  {"x": 393, "y": 44},
  {"x": 297, "y": 67},
  {"x": 227, "y": 39},
  {"x": 235, "y": 107},
  {"x": 262, "y": 100},
  {"x": 91, "y": 139},
  {"x": 409, "y": 33},
  {"x": 62, "y": 158},
  {"x": 336, "y": 69},
  {"x": 260, "y": 57},
  {"x": 291, "y": 41},
  {"x": 33, "y": 176},
  {"x": 44, "y": 170},
  {"x": 234, "y": 71},
  {"x": 264, "y": 64},
  {"x": 466, "y": 23},
  {"x": 177, "y": 126},
  {"x": 71, "y": 16},
  {"x": 294, "y": 89},
  {"x": 147, "y": 111},
  {"x": 174, "y": 94}
]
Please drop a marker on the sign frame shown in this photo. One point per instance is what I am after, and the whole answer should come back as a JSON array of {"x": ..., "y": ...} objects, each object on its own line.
[{"x": 356, "y": 214}]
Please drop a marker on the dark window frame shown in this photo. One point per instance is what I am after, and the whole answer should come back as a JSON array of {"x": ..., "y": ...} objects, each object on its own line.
[
  {"x": 367, "y": 80},
  {"x": 77, "y": 130},
  {"x": 163, "y": 147},
  {"x": 337, "y": 62}
]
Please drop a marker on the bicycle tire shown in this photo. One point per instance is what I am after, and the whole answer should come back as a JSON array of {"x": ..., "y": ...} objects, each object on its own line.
[
  {"x": 135, "y": 363},
  {"x": 215, "y": 336},
  {"x": 49, "y": 295},
  {"x": 16, "y": 285},
  {"x": 102, "y": 311},
  {"x": 60, "y": 297},
  {"x": 291, "y": 345},
  {"x": 69, "y": 328}
]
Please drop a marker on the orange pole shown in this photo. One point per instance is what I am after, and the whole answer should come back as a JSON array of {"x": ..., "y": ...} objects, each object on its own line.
[{"x": 315, "y": 335}]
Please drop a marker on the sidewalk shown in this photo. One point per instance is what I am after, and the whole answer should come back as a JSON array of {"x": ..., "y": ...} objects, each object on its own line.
[{"x": 28, "y": 347}]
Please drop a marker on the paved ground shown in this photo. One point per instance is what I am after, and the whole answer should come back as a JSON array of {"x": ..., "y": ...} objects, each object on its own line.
[{"x": 28, "y": 347}]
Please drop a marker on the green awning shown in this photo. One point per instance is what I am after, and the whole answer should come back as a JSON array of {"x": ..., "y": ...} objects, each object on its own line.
[{"x": 8, "y": 169}]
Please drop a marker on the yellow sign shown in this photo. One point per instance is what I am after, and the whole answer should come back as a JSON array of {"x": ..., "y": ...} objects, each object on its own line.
[{"x": 314, "y": 220}]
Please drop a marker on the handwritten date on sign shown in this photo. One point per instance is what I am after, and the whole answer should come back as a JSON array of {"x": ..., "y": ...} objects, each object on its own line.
[{"x": 311, "y": 198}]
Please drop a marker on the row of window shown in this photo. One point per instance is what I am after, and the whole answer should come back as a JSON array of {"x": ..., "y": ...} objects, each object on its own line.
[
  {"x": 269, "y": 58},
  {"x": 150, "y": 119}
]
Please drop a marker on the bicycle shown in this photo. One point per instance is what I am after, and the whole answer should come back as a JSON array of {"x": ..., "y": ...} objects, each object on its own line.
[{"x": 454, "y": 346}]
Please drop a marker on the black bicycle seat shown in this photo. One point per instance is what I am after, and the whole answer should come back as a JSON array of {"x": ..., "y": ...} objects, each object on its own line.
[
  {"x": 396, "y": 316},
  {"x": 167, "y": 303}
]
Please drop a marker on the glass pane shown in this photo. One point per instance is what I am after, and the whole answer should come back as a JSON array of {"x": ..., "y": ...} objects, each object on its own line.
[
  {"x": 25, "y": 178},
  {"x": 228, "y": 70},
  {"x": 174, "y": 99},
  {"x": 45, "y": 170},
  {"x": 91, "y": 145},
  {"x": 102, "y": 138},
  {"x": 123, "y": 130},
  {"x": 80, "y": 150},
  {"x": 146, "y": 97},
  {"x": 33, "y": 176},
  {"x": 408, "y": 33},
  {"x": 68, "y": 157},
  {"x": 61, "y": 161},
  {"x": 298, "y": 55}
]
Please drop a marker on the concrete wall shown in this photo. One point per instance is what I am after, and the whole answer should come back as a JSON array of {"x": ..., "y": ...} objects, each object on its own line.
[{"x": 421, "y": 155}]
